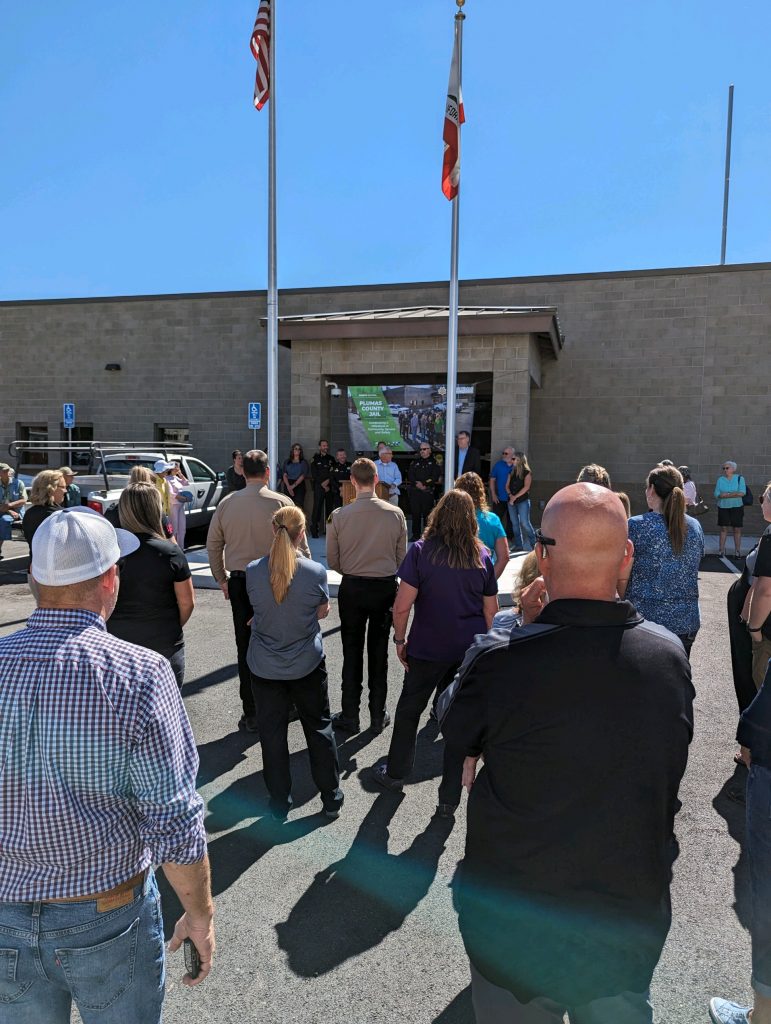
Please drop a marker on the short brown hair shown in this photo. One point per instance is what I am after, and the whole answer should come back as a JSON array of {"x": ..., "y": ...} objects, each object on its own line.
[
  {"x": 363, "y": 471},
  {"x": 594, "y": 474},
  {"x": 255, "y": 463}
]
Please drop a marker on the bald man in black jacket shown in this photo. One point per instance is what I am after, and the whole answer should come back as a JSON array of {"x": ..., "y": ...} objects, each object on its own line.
[{"x": 563, "y": 896}]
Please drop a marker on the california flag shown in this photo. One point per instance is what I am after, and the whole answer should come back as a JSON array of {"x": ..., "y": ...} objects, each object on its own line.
[{"x": 453, "y": 119}]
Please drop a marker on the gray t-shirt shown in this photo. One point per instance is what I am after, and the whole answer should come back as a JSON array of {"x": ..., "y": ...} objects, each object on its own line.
[{"x": 286, "y": 638}]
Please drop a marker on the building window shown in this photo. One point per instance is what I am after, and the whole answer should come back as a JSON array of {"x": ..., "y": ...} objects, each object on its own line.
[
  {"x": 172, "y": 433},
  {"x": 83, "y": 433},
  {"x": 29, "y": 458}
]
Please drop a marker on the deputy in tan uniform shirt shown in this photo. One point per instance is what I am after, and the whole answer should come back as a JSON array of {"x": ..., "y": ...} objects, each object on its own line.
[
  {"x": 241, "y": 531},
  {"x": 366, "y": 542}
]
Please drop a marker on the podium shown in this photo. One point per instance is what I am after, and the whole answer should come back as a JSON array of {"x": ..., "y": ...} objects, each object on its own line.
[{"x": 348, "y": 494}]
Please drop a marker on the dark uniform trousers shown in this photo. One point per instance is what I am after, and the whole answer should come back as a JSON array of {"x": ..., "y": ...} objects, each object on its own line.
[
  {"x": 323, "y": 502},
  {"x": 423, "y": 680},
  {"x": 274, "y": 699},
  {"x": 501, "y": 509},
  {"x": 421, "y": 503},
  {"x": 241, "y": 609},
  {"x": 365, "y": 612}
]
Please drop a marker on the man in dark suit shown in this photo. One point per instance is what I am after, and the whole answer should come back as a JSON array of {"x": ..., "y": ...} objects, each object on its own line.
[{"x": 467, "y": 459}]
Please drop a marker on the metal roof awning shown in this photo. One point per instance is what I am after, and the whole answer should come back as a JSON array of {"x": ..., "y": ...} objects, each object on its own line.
[{"x": 424, "y": 321}]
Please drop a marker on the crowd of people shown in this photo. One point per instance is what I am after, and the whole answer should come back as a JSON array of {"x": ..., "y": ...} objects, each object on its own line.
[{"x": 563, "y": 894}]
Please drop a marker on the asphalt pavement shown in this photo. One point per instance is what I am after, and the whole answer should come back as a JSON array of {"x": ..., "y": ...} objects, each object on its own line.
[{"x": 352, "y": 921}]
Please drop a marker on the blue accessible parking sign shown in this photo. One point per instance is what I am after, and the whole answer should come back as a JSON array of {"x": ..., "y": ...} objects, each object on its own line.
[
  {"x": 68, "y": 415},
  {"x": 255, "y": 415}
]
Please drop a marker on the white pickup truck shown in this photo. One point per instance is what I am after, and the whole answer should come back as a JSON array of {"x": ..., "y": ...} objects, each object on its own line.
[{"x": 110, "y": 464}]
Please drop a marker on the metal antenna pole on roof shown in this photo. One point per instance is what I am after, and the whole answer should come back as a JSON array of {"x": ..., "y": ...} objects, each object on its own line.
[
  {"x": 452, "y": 332},
  {"x": 729, "y": 129}
]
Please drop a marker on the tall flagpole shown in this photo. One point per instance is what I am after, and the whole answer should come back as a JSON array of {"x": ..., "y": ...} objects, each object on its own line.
[
  {"x": 452, "y": 333},
  {"x": 272, "y": 259}
]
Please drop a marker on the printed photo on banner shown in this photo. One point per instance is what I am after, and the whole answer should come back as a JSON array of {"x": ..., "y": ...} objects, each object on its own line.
[{"x": 404, "y": 415}]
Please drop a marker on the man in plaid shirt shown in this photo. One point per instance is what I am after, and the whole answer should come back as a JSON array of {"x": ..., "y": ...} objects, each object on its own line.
[{"x": 97, "y": 784}]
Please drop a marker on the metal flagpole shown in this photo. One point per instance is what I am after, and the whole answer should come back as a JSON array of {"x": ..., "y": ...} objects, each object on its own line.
[
  {"x": 272, "y": 259},
  {"x": 729, "y": 130},
  {"x": 452, "y": 332}
]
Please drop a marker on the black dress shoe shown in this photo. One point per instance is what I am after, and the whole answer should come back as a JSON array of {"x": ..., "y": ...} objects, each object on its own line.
[
  {"x": 446, "y": 810},
  {"x": 339, "y": 721},
  {"x": 379, "y": 774},
  {"x": 376, "y": 725},
  {"x": 248, "y": 723}
]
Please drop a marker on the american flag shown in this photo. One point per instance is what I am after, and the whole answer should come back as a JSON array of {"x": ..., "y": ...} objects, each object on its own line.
[
  {"x": 260, "y": 46},
  {"x": 453, "y": 119}
]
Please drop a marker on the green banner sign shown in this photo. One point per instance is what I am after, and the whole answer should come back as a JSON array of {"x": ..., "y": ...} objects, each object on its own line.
[{"x": 377, "y": 420}]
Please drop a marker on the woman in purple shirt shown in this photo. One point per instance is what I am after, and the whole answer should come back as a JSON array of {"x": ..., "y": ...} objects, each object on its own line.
[{"x": 448, "y": 578}]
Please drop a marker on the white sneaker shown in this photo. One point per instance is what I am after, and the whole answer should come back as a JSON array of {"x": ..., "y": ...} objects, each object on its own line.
[{"x": 723, "y": 1012}]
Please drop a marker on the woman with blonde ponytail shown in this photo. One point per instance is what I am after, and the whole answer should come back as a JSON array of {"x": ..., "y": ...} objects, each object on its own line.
[
  {"x": 289, "y": 595},
  {"x": 663, "y": 580}
]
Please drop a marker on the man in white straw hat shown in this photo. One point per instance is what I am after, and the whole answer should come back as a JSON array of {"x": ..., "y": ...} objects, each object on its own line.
[{"x": 98, "y": 784}]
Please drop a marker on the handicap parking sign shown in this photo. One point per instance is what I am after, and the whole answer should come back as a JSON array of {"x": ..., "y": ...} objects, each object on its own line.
[
  {"x": 68, "y": 415},
  {"x": 255, "y": 415}
]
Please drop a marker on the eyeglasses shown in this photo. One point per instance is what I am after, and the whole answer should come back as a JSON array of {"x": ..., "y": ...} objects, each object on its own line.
[
  {"x": 727, "y": 467},
  {"x": 425, "y": 449},
  {"x": 545, "y": 541}
]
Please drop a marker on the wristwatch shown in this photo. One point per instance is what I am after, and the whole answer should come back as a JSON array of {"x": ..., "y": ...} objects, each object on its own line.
[
  {"x": 756, "y": 629},
  {"x": 400, "y": 643}
]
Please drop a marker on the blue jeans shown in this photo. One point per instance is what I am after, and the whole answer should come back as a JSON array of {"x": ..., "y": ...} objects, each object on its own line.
[
  {"x": 758, "y": 841},
  {"x": 5, "y": 527},
  {"x": 110, "y": 964},
  {"x": 494, "y": 1005},
  {"x": 519, "y": 514}
]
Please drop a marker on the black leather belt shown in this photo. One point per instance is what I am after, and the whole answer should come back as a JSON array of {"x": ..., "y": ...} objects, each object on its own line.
[
  {"x": 237, "y": 574},
  {"x": 370, "y": 579}
]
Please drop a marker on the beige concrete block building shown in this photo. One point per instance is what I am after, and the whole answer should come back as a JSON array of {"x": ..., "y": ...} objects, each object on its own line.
[{"x": 623, "y": 368}]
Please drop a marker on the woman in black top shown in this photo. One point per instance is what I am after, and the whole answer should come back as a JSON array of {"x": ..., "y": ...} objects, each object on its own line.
[
  {"x": 518, "y": 490},
  {"x": 294, "y": 473},
  {"x": 47, "y": 494},
  {"x": 156, "y": 595}
]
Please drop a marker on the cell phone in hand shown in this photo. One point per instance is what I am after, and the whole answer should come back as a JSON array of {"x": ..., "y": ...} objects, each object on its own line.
[{"x": 192, "y": 959}]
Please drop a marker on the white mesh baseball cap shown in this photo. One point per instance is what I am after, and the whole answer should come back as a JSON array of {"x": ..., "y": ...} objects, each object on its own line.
[{"x": 77, "y": 544}]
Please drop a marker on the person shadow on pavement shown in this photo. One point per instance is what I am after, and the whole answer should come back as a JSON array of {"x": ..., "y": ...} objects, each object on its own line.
[
  {"x": 234, "y": 853},
  {"x": 353, "y": 904},
  {"x": 734, "y": 811},
  {"x": 222, "y": 755},
  {"x": 238, "y": 800}
]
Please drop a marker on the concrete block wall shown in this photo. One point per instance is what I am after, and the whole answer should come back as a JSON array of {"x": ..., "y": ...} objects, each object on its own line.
[{"x": 664, "y": 363}]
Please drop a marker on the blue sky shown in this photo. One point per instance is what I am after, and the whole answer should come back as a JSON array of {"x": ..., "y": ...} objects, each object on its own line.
[{"x": 133, "y": 161}]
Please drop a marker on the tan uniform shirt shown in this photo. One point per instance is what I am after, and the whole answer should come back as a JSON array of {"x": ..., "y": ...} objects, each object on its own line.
[
  {"x": 241, "y": 529},
  {"x": 367, "y": 538}
]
